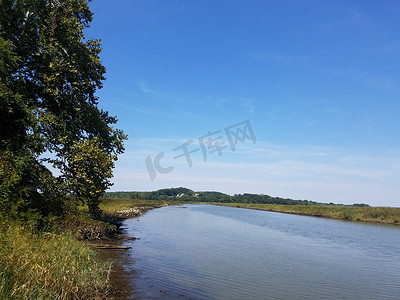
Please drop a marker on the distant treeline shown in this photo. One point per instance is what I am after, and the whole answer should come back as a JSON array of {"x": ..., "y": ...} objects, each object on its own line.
[{"x": 184, "y": 194}]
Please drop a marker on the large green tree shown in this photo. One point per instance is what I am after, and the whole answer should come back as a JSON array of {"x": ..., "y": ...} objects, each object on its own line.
[{"x": 49, "y": 73}]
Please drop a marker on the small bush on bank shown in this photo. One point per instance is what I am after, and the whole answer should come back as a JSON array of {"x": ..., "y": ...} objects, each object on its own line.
[{"x": 85, "y": 228}]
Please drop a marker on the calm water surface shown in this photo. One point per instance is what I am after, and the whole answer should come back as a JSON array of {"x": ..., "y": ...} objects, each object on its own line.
[{"x": 213, "y": 252}]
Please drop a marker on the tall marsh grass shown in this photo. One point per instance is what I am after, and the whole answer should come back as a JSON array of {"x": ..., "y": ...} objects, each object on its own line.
[
  {"x": 49, "y": 266},
  {"x": 388, "y": 215}
]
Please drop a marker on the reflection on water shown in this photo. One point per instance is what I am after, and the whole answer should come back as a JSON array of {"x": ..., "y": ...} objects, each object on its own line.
[{"x": 213, "y": 252}]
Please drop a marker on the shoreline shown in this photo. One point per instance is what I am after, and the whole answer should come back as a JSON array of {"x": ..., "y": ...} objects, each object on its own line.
[
  {"x": 371, "y": 215},
  {"x": 120, "y": 279}
]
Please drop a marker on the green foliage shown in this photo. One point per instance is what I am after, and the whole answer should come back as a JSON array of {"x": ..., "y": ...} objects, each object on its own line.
[
  {"x": 49, "y": 73},
  {"x": 91, "y": 170},
  {"x": 49, "y": 115}
]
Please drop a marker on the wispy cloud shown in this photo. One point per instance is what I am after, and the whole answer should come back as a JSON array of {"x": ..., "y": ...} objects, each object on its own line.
[
  {"x": 129, "y": 107},
  {"x": 248, "y": 104},
  {"x": 365, "y": 77},
  {"x": 278, "y": 57},
  {"x": 149, "y": 91}
]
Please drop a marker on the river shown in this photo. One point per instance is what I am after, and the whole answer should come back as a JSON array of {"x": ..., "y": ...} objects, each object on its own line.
[{"x": 214, "y": 252}]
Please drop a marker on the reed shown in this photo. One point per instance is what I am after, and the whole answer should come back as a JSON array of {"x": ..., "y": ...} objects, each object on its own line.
[
  {"x": 49, "y": 266},
  {"x": 388, "y": 215}
]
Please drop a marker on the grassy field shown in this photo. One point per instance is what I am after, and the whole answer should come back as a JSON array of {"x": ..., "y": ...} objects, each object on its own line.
[{"x": 388, "y": 215}]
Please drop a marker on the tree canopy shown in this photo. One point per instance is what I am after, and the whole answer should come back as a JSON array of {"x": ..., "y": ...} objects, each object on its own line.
[
  {"x": 49, "y": 113},
  {"x": 184, "y": 194}
]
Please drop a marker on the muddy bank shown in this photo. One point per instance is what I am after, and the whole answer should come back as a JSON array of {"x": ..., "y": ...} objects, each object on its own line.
[
  {"x": 120, "y": 279},
  {"x": 112, "y": 249}
]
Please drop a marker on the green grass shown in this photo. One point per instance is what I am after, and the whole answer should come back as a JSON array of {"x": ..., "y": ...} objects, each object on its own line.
[
  {"x": 388, "y": 215},
  {"x": 49, "y": 266}
]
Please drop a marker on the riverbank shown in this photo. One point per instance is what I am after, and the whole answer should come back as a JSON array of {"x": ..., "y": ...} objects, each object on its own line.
[
  {"x": 112, "y": 250},
  {"x": 386, "y": 215},
  {"x": 72, "y": 257}
]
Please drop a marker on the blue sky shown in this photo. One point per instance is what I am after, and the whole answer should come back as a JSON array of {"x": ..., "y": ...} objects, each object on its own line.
[{"x": 316, "y": 81}]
